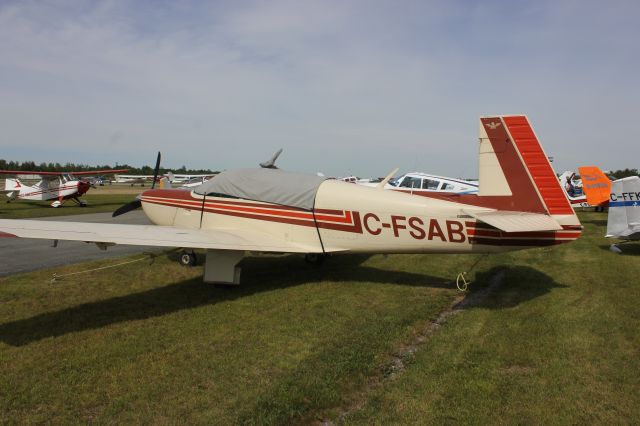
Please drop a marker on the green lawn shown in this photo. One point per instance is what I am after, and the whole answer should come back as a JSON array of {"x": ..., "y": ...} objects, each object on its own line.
[
  {"x": 20, "y": 209},
  {"x": 295, "y": 343},
  {"x": 557, "y": 343}
]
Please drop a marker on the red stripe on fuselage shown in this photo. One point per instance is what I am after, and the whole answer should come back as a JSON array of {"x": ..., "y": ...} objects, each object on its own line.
[
  {"x": 48, "y": 191},
  {"x": 325, "y": 218}
]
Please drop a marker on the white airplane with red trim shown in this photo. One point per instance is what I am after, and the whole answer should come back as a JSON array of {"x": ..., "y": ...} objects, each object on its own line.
[
  {"x": 57, "y": 186},
  {"x": 520, "y": 204}
]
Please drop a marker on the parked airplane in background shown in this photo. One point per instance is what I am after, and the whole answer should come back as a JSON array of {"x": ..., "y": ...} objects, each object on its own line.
[
  {"x": 196, "y": 181},
  {"x": 57, "y": 186},
  {"x": 596, "y": 186},
  {"x": 589, "y": 189},
  {"x": 132, "y": 179},
  {"x": 520, "y": 204},
  {"x": 572, "y": 186},
  {"x": 623, "y": 222},
  {"x": 144, "y": 179},
  {"x": 417, "y": 183}
]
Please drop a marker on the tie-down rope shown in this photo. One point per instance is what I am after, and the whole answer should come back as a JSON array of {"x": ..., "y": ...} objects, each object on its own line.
[{"x": 150, "y": 256}]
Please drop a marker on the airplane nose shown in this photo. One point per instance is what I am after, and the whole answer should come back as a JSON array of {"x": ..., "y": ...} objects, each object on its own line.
[{"x": 83, "y": 187}]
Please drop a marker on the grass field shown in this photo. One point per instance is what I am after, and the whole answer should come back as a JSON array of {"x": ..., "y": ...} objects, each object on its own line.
[
  {"x": 555, "y": 341},
  {"x": 100, "y": 199}
]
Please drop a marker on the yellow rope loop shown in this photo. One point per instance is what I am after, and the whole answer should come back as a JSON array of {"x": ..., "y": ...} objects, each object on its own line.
[{"x": 464, "y": 286}]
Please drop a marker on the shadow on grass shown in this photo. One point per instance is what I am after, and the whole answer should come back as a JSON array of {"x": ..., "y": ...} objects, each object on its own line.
[
  {"x": 631, "y": 248},
  {"x": 259, "y": 275},
  {"x": 520, "y": 284}
]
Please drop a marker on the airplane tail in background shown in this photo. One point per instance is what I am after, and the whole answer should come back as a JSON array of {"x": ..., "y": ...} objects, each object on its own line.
[
  {"x": 596, "y": 185},
  {"x": 12, "y": 184},
  {"x": 624, "y": 209}
]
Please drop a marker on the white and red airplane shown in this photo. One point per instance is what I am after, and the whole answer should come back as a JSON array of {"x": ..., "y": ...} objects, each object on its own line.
[
  {"x": 57, "y": 186},
  {"x": 520, "y": 204}
]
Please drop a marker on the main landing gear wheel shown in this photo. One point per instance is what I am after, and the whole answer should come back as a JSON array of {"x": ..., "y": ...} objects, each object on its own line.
[
  {"x": 83, "y": 203},
  {"x": 188, "y": 258}
]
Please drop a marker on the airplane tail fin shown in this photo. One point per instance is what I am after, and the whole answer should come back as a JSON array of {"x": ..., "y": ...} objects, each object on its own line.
[
  {"x": 12, "y": 184},
  {"x": 596, "y": 185},
  {"x": 624, "y": 209},
  {"x": 516, "y": 175},
  {"x": 164, "y": 183}
]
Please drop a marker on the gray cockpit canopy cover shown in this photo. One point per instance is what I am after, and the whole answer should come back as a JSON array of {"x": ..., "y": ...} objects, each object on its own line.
[{"x": 267, "y": 185}]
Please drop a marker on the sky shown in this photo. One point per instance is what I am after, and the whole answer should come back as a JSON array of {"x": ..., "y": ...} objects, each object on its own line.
[{"x": 344, "y": 87}]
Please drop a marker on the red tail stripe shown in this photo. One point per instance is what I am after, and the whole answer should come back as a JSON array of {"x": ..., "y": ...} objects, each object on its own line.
[
  {"x": 499, "y": 234},
  {"x": 538, "y": 165}
]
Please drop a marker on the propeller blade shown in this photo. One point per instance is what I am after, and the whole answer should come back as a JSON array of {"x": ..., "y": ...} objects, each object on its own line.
[
  {"x": 156, "y": 170},
  {"x": 135, "y": 204}
]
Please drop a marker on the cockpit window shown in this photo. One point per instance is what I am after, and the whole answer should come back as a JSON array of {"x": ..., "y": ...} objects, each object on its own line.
[
  {"x": 447, "y": 187},
  {"x": 430, "y": 184},
  {"x": 411, "y": 182}
]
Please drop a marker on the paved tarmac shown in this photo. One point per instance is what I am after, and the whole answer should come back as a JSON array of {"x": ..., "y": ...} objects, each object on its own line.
[{"x": 24, "y": 255}]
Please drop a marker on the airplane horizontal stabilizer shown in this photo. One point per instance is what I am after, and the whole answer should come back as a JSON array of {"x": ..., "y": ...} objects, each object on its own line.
[{"x": 508, "y": 221}]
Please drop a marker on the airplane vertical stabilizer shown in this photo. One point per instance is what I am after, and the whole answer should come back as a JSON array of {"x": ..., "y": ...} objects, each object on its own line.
[
  {"x": 624, "y": 209},
  {"x": 524, "y": 166},
  {"x": 11, "y": 184},
  {"x": 596, "y": 185}
]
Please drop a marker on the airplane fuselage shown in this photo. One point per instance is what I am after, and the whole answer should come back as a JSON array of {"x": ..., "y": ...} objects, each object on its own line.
[
  {"x": 49, "y": 190},
  {"x": 350, "y": 218}
]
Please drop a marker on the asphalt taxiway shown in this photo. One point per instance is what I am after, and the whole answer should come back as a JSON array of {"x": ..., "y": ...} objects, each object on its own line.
[{"x": 24, "y": 255}]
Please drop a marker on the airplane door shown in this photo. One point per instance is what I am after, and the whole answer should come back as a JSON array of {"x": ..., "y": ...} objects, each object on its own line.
[{"x": 189, "y": 215}]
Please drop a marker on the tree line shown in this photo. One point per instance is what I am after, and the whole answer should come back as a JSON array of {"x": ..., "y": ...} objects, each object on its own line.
[
  {"x": 148, "y": 170},
  {"x": 619, "y": 174},
  {"x": 72, "y": 167}
]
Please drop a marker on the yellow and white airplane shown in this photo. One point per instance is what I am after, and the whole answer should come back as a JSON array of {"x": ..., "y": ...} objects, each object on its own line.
[{"x": 520, "y": 204}]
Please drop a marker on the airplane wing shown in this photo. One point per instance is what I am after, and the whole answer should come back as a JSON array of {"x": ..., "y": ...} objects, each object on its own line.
[
  {"x": 43, "y": 174},
  {"x": 517, "y": 221},
  {"x": 152, "y": 235}
]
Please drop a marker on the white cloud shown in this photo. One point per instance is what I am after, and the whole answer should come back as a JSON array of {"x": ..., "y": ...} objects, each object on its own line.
[{"x": 344, "y": 87}]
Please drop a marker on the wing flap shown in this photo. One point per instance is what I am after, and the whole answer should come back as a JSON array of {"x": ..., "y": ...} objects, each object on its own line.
[
  {"x": 517, "y": 221},
  {"x": 151, "y": 235}
]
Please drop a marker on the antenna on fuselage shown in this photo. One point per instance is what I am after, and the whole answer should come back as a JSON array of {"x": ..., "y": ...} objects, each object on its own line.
[{"x": 271, "y": 164}]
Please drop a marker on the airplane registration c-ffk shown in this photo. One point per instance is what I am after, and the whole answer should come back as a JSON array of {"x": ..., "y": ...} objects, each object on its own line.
[{"x": 520, "y": 204}]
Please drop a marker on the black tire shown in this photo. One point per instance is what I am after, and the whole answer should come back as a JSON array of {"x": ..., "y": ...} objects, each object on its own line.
[{"x": 188, "y": 259}]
